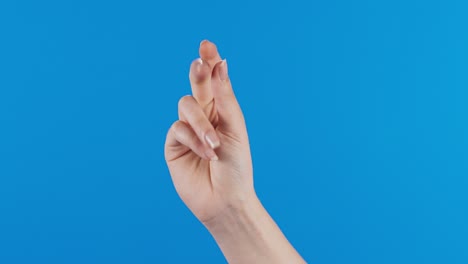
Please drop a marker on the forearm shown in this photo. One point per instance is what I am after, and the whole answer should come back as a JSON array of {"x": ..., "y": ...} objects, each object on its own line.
[{"x": 247, "y": 234}]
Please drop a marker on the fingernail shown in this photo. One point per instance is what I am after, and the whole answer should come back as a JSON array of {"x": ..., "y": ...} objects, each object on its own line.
[
  {"x": 199, "y": 64},
  {"x": 223, "y": 71},
  {"x": 212, "y": 139},
  {"x": 211, "y": 155}
]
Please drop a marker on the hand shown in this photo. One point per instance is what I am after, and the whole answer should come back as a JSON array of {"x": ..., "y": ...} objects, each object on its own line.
[
  {"x": 207, "y": 149},
  {"x": 208, "y": 155}
]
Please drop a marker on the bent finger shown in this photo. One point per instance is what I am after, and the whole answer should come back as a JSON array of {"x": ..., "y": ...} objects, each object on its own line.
[
  {"x": 181, "y": 134},
  {"x": 191, "y": 112}
]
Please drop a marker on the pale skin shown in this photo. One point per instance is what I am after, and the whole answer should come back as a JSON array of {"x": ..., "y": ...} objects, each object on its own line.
[{"x": 208, "y": 154}]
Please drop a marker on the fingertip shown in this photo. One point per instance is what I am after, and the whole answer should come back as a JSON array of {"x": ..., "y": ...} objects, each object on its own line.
[
  {"x": 208, "y": 50},
  {"x": 203, "y": 42}
]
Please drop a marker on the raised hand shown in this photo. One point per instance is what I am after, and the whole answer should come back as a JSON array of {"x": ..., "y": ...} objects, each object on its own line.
[
  {"x": 208, "y": 155},
  {"x": 207, "y": 149}
]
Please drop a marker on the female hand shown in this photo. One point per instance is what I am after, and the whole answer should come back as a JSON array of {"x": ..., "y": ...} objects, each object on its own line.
[
  {"x": 208, "y": 155},
  {"x": 207, "y": 149}
]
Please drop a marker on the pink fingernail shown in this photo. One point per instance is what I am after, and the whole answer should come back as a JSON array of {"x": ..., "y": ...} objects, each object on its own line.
[
  {"x": 223, "y": 71},
  {"x": 199, "y": 64},
  {"x": 212, "y": 139}
]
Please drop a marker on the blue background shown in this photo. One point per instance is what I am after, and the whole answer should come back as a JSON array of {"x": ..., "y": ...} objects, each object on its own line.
[{"x": 356, "y": 110}]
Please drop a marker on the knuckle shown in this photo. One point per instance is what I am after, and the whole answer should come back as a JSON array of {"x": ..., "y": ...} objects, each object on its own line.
[
  {"x": 184, "y": 101},
  {"x": 174, "y": 127}
]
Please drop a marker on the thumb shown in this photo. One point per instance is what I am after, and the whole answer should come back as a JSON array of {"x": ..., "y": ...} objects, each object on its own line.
[{"x": 230, "y": 117}]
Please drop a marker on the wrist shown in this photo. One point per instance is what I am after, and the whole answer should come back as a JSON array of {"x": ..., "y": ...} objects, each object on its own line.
[
  {"x": 242, "y": 231},
  {"x": 238, "y": 214},
  {"x": 246, "y": 233}
]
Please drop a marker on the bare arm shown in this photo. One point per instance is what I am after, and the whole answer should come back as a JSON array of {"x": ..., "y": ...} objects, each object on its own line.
[{"x": 249, "y": 235}]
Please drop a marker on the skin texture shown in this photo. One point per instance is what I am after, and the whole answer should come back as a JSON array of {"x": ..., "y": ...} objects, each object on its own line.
[{"x": 208, "y": 155}]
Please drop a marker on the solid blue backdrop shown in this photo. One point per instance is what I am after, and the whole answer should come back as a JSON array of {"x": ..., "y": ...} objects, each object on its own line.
[{"x": 356, "y": 111}]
